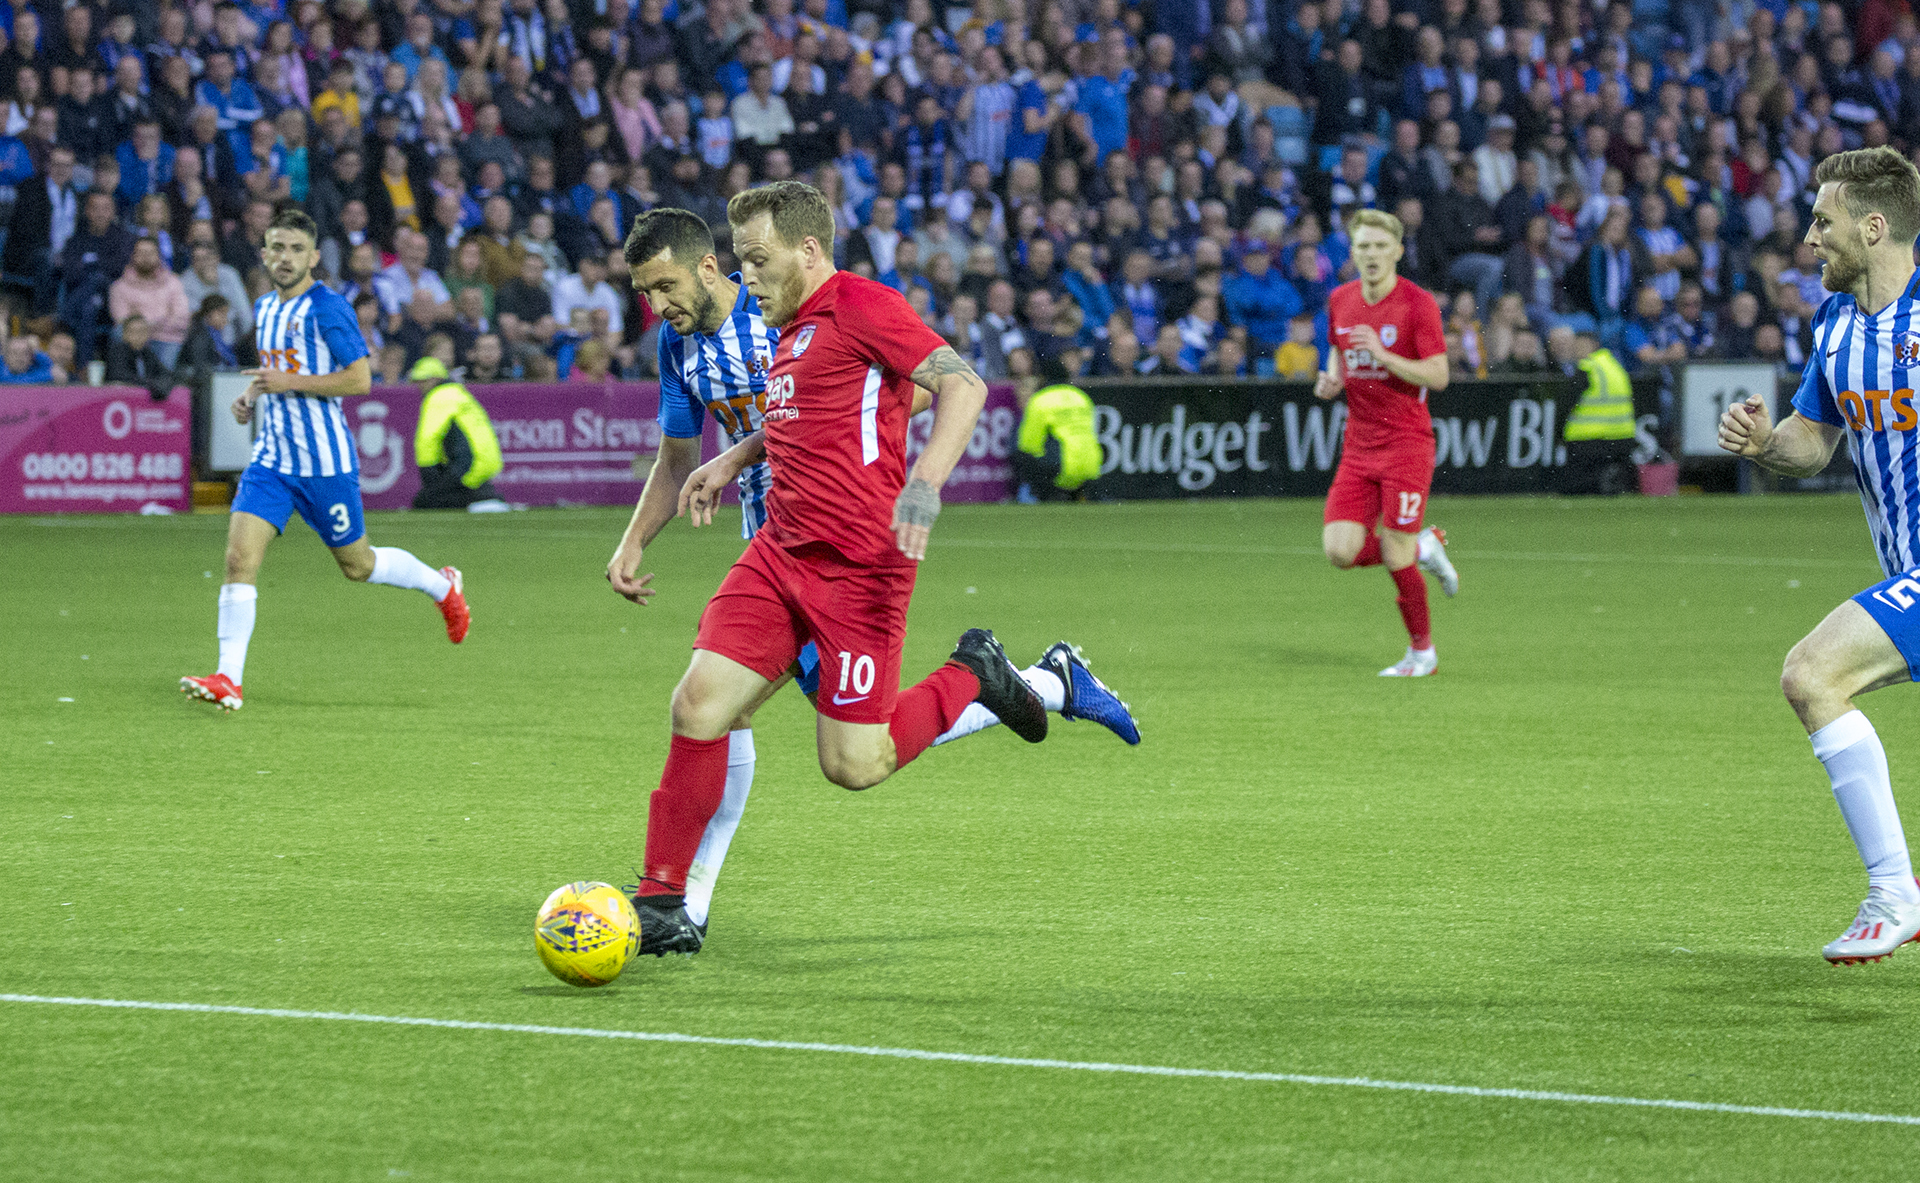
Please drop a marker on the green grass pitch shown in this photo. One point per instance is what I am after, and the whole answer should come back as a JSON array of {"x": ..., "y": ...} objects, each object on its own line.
[{"x": 1594, "y": 855}]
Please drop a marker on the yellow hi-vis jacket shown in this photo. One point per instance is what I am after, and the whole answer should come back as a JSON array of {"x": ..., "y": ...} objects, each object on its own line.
[
  {"x": 450, "y": 405},
  {"x": 1066, "y": 413},
  {"x": 1605, "y": 411}
]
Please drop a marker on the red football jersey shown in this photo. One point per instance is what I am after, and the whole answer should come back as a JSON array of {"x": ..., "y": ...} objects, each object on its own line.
[
  {"x": 1383, "y": 410},
  {"x": 838, "y": 398}
]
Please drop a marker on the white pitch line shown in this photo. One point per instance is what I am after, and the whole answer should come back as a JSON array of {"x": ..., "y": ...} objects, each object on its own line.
[{"x": 907, "y": 1053}]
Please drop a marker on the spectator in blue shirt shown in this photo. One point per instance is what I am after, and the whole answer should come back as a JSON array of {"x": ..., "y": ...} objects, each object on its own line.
[
  {"x": 1136, "y": 292},
  {"x": 1033, "y": 117},
  {"x": 1088, "y": 288},
  {"x": 146, "y": 164},
  {"x": 16, "y": 161},
  {"x": 419, "y": 46},
  {"x": 598, "y": 184},
  {"x": 231, "y": 98},
  {"x": 1200, "y": 333},
  {"x": 1260, "y": 298},
  {"x": 25, "y": 365},
  {"x": 1101, "y": 109},
  {"x": 1654, "y": 337}
]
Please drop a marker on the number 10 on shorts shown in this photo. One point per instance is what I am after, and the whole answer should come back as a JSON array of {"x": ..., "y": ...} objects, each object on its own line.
[{"x": 856, "y": 673}]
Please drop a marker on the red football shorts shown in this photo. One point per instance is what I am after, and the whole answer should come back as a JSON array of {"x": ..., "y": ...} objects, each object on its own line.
[
  {"x": 1387, "y": 487},
  {"x": 774, "y": 601}
]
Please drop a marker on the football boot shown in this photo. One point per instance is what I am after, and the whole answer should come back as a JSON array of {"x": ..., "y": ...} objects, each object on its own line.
[
  {"x": 1087, "y": 696},
  {"x": 217, "y": 689},
  {"x": 1002, "y": 690}
]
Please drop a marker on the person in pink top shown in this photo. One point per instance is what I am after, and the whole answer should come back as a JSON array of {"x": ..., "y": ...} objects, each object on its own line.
[
  {"x": 633, "y": 115},
  {"x": 155, "y": 293}
]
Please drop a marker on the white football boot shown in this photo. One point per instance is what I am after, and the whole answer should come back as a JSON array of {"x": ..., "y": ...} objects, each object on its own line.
[
  {"x": 1418, "y": 663},
  {"x": 1433, "y": 560},
  {"x": 1882, "y": 925}
]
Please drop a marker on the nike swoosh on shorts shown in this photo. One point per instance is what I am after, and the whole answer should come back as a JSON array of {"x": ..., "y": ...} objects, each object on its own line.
[{"x": 840, "y": 702}]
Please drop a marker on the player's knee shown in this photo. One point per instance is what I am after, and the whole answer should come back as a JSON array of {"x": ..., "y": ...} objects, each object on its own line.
[
  {"x": 850, "y": 772},
  {"x": 1341, "y": 556},
  {"x": 694, "y": 713},
  {"x": 1802, "y": 680}
]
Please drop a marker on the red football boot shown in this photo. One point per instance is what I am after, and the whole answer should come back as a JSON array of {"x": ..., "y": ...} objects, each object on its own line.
[
  {"x": 217, "y": 689},
  {"x": 454, "y": 607}
]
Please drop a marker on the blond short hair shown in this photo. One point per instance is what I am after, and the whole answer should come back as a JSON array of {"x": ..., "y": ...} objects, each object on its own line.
[
  {"x": 1378, "y": 219},
  {"x": 799, "y": 211}
]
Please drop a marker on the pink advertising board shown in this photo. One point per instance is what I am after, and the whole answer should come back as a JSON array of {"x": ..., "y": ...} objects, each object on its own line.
[
  {"x": 93, "y": 449},
  {"x": 574, "y": 443}
]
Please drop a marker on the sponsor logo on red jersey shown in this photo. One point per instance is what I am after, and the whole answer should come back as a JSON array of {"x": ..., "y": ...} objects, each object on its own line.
[{"x": 779, "y": 398}]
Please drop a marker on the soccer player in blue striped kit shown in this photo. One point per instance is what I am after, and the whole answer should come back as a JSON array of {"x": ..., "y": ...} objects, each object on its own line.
[
  {"x": 715, "y": 351},
  {"x": 311, "y": 356},
  {"x": 1859, "y": 382}
]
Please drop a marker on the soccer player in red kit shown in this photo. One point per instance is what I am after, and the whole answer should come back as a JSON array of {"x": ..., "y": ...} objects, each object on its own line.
[
  {"x": 1388, "y": 350},
  {"x": 846, "y": 526}
]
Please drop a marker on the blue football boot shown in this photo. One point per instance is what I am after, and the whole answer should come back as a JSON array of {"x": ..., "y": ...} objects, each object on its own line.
[{"x": 1087, "y": 696}]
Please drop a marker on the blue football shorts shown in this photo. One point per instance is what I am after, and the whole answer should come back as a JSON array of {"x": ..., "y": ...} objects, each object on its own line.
[
  {"x": 808, "y": 678},
  {"x": 330, "y": 504},
  {"x": 1894, "y": 605}
]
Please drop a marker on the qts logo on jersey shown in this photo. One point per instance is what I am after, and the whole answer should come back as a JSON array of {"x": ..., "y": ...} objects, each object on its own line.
[{"x": 1879, "y": 410}]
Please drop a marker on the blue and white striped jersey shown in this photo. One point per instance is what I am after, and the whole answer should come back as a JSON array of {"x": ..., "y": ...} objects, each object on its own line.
[
  {"x": 1861, "y": 377},
  {"x": 313, "y": 333},
  {"x": 723, "y": 373}
]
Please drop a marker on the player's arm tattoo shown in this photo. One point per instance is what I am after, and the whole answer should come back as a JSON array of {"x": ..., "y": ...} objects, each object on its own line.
[
  {"x": 939, "y": 364},
  {"x": 918, "y": 504}
]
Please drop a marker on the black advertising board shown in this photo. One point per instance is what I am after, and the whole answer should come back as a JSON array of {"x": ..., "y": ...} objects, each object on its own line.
[{"x": 1171, "y": 438}]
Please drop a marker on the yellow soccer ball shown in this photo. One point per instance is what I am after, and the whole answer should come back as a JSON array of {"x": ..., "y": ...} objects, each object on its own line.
[{"x": 586, "y": 933}]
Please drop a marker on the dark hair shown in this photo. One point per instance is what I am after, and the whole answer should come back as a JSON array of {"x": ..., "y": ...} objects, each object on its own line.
[
  {"x": 295, "y": 219},
  {"x": 799, "y": 211},
  {"x": 683, "y": 232},
  {"x": 213, "y": 303},
  {"x": 1876, "y": 180}
]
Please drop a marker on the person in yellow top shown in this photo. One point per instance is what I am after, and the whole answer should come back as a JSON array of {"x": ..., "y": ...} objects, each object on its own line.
[
  {"x": 1298, "y": 358},
  {"x": 454, "y": 445},
  {"x": 1056, "y": 454},
  {"x": 339, "y": 93}
]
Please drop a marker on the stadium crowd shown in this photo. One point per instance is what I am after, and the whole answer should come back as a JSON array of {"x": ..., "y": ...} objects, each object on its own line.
[{"x": 1149, "y": 189}]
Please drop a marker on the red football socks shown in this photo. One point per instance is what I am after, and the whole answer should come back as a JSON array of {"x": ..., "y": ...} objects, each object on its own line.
[
  {"x": 691, "y": 786},
  {"x": 1413, "y": 604},
  {"x": 925, "y": 712},
  {"x": 1369, "y": 555}
]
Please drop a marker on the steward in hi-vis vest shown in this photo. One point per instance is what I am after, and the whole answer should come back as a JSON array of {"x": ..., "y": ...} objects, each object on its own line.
[
  {"x": 1606, "y": 408},
  {"x": 1056, "y": 454},
  {"x": 1600, "y": 431},
  {"x": 454, "y": 445}
]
